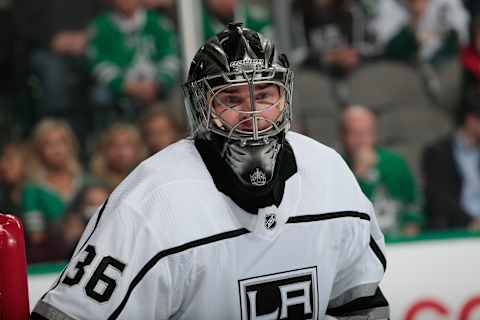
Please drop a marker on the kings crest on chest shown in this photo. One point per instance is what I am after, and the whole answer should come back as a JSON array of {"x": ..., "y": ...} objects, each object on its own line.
[{"x": 287, "y": 295}]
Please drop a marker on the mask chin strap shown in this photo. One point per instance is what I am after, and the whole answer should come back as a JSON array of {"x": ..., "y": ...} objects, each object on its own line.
[{"x": 253, "y": 162}]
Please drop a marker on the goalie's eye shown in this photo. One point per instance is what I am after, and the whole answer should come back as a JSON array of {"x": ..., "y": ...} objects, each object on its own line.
[
  {"x": 266, "y": 96},
  {"x": 230, "y": 100}
]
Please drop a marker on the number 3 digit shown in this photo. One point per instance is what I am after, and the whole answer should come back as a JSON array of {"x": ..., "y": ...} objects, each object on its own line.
[{"x": 80, "y": 266}]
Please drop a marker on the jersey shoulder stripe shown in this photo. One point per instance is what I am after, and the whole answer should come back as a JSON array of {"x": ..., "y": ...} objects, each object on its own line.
[
  {"x": 100, "y": 213},
  {"x": 328, "y": 216}
]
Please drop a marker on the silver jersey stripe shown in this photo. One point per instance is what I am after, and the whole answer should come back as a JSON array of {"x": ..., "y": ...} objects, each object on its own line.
[
  {"x": 380, "y": 313},
  {"x": 50, "y": 312},
  {"x": 364, "y": 290}
]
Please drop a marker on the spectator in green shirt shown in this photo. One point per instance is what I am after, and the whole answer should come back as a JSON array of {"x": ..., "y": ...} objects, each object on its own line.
[
  {"x": 432, "y": 31},
  {"x": 383, "y": 175},
  {"x": 132, "y": 52}
]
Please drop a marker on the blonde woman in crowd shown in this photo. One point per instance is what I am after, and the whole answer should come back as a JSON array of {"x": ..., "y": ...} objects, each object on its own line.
[
  {"x": 119, "y": 150},
  {"x": 54, "y": 176}
]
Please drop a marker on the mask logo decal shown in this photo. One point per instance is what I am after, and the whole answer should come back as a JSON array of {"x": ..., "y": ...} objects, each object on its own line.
[
  {"x": 247, "y": 65},
  {"x": 258, "y": 177}
]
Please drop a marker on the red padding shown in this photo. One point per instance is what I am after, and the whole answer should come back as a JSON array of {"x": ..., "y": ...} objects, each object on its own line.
[{"x": 13, "y": 266}]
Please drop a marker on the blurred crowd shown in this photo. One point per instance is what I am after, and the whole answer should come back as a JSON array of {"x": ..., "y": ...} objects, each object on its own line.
[{"x": 90, "y": 88}]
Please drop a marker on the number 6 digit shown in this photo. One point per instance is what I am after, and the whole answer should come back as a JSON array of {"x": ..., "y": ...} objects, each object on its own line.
[{"x": 99, "y": 275}]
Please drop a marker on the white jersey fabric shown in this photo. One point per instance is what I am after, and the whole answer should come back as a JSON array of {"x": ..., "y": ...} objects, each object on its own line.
[{"x": 168, "y": 245}]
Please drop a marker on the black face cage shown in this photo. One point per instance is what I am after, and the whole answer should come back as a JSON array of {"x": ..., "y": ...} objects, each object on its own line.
[{"x": 200, "y": 111}]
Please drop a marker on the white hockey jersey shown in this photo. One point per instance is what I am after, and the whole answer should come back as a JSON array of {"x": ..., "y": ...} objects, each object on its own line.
[{"x": 168, "y": 245}]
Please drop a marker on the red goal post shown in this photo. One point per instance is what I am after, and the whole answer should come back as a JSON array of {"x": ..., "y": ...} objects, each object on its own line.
[{"x": 13, "y": 276}]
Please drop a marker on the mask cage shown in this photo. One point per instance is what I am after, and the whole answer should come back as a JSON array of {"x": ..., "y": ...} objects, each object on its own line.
[{"x": 203, "y": 119}]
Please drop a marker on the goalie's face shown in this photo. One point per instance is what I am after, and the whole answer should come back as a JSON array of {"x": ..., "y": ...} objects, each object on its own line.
[{"x": 248, "y": 109}]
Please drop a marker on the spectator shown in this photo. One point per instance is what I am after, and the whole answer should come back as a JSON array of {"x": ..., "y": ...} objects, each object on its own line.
[
  {"x": 452, "y": 173},
  {"x": 159, "y": 129},
  {"x": 56, "y": 32},
  {"x": 81, "y": 209},
  {"x": 12, "y": 176},
  {"x": 342, "y": 33},
  {"x": 471, "y": 57},
  {"x": 383, "y": 175},
  {"x": 432, "y": 32},
  {"x": 119, "y": 150},
  {"x": 132, "y": 54},
  {"x": 218, "y": 13},
  {"x": 54, "y": 177}
]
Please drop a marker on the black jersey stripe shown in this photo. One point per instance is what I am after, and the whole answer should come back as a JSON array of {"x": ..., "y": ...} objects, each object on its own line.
[
  {"x": 369, "y": 304},
  {"x": 81, "y": 248},
  {"x": 162, "y": 254},
  {"x": 328, "y": 216},
  {"x": 378, "y": 252},
  {"x": 36, "y": 316},
  {"x": 96, "y": 224}
]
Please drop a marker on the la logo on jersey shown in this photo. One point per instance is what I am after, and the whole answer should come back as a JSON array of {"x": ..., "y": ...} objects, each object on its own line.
[{"x": 286, "y": 295}]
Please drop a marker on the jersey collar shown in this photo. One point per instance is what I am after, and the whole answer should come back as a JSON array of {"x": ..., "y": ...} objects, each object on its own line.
[
  {"x": 252, "y": 198},
  {"x": 270, "y": 220}
]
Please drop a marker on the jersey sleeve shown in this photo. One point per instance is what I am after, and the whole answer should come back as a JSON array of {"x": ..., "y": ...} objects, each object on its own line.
[
  {"x": 115, "y": 272},
  {"x": 356, "y": 292}
]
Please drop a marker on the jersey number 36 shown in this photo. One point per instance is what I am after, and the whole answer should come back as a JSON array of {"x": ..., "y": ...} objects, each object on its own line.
[{"x": 98, "y": 275}]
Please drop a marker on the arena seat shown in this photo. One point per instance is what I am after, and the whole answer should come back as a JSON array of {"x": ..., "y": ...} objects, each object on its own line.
[
  {"x": 383, "y": 86},
  {"x": 13, "y": 276},
  {"x": 315, "y": 106},
  {"x": 450, "y": 78}
]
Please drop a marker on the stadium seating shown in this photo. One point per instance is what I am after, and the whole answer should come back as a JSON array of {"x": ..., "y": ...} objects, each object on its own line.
[{"x": 408, "y": 118}]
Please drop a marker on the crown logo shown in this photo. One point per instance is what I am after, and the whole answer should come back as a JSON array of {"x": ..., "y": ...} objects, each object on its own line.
[
  {"x": 258, "y": 177},
  {"x": 247, "y": 64}
]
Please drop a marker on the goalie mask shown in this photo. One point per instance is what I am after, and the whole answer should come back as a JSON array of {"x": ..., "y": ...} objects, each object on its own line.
[{"x": 238, "y": 95}]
